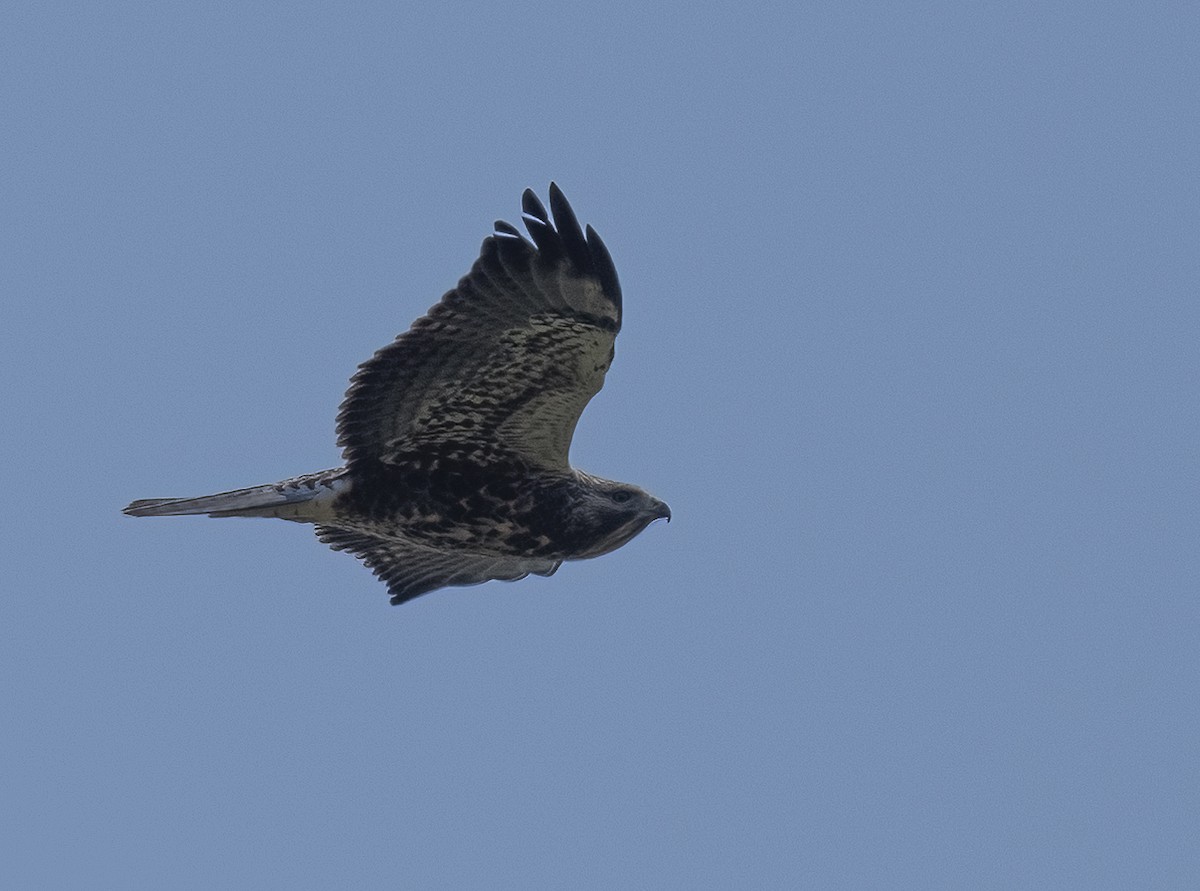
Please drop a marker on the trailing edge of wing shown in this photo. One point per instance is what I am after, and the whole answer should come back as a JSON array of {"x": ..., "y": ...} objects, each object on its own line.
[{"x": 410, "y": 570}]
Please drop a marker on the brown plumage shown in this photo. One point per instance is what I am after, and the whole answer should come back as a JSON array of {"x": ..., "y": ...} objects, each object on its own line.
[{"x": 456, "y": 435}]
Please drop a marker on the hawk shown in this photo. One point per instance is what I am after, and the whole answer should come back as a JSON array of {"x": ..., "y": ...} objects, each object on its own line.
[{"x": 456, "y": 435}]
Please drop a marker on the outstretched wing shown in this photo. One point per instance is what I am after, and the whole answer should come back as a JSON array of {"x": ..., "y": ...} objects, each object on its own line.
[
  {"x": 411, "y": 570},
  {"x": 506, "y": 362}
]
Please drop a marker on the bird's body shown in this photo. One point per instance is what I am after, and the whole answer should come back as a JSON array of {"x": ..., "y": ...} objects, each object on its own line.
[{"x": 456, "y": 434}]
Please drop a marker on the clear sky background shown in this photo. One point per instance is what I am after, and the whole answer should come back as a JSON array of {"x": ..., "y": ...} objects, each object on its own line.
[{"x": 911, "y": 348}]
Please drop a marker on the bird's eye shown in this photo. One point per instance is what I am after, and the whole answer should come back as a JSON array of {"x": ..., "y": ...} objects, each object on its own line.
[{"x": 621, "y": 497}]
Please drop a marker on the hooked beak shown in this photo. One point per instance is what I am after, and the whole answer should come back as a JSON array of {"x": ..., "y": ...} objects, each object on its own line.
[{"x": 661, "y": 510}]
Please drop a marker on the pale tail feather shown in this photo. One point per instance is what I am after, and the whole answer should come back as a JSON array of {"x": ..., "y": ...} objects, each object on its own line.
[{"x": 287, "y": 500}]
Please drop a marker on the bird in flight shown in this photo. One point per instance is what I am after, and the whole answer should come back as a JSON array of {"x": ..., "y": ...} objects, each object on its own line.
[{"x": 456, "y": 435}]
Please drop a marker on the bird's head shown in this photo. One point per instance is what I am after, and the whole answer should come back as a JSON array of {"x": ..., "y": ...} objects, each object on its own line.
[{"x": 609, "y": 513}]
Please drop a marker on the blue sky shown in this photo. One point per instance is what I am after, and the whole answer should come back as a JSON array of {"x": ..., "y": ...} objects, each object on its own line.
[{"x": 910, "y": 347}]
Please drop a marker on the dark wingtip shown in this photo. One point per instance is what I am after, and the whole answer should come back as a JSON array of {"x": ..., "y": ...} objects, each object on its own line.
[
  {"x": 537, "y": 221},
  {"x": 532, "y": 206},
  {"x": 605, "y": 269},
  {"x": 560, "y": 236},
  {"x": 569, "y": 231}
]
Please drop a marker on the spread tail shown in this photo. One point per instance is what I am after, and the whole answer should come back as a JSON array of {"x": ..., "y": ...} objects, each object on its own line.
[{"x": 289, "y": 500}]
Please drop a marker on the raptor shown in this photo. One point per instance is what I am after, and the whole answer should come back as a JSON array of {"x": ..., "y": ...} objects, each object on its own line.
[{"x": 456, "y": 435}]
